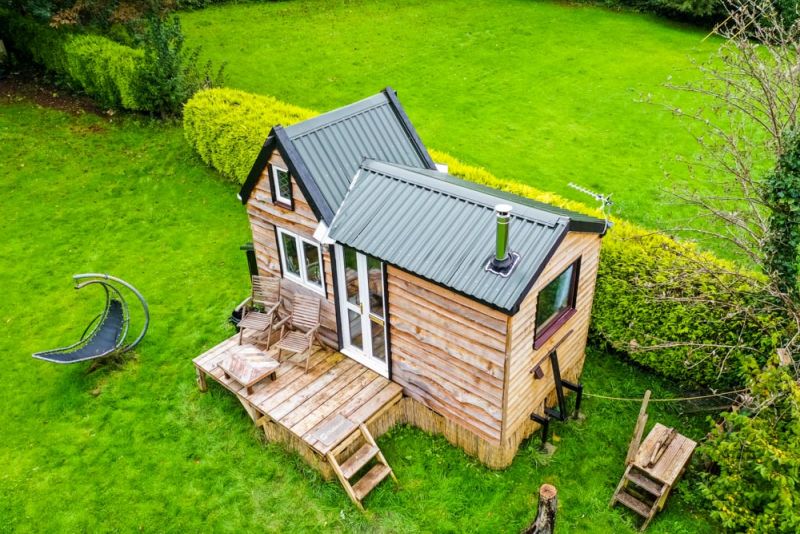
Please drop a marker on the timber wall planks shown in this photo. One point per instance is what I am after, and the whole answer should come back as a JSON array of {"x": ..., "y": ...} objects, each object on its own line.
[
  {"x": 264, "y": 215},
  {"x": 525, "y": 394},
  {"x": 448, "y": 353}
]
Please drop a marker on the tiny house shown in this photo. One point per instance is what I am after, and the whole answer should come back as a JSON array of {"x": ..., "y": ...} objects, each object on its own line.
[{"x": 474, "y": 301}]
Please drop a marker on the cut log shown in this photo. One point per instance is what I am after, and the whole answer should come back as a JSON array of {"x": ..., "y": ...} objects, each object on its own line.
[{"x": 545, "y": 521}]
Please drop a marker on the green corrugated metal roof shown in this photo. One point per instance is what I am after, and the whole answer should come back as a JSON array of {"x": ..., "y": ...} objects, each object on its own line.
[
  {"x": 443, "y": 229},
  {"x": 333, "y": 145}
]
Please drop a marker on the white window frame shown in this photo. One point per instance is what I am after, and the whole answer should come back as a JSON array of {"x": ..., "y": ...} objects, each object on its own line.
[
  {"x": 303, "y": 278},
  {"x": 276, "y": 184}
]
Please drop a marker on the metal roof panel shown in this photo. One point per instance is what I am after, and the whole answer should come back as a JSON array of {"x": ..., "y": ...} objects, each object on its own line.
[{"x": 432, "y": 225}]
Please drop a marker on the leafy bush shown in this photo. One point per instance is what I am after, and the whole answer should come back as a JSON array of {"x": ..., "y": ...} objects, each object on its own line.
[
  {"x": 169, "y": 75},
  {"x": 638, "y": 302},
  {"x": 105, "y": 70},
  {"x": 34, "y": 40},
  {"x": 158, "y": 78},
  {"x": 228, "y": 127},
  {"x": 754, "y": 482}
]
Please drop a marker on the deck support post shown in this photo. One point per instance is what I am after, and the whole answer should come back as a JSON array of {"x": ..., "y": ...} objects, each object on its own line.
[
  {"x": 546, "y": 514},
  {"x": 544, "y": 421},
  {"x": 201, "y": 379}
]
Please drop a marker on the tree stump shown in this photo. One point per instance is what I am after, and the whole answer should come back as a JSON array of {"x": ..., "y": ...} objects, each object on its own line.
[{"x": 545, "y": 521}]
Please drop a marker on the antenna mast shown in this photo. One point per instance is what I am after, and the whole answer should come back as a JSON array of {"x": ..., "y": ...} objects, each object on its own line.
[{"x": 605, "y": 201}]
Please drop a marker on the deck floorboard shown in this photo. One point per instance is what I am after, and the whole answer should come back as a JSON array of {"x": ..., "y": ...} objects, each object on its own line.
[{"x": 309, "y": 405}]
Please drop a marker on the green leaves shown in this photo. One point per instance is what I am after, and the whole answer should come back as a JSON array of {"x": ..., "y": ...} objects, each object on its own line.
[
  {"x": 782, "y": 195},
  {"x": 157, "y": 78},
  {"x": 756, "y": 457}
]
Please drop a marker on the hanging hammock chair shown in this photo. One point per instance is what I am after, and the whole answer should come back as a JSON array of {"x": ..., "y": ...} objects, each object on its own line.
[{"x": 110, "y": 330}]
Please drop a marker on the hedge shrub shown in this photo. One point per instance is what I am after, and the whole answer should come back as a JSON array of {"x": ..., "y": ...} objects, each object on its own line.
[
  {"x": 105, "y": 70},
  {"x": 157, "y": 78},
  {"x": 228, "y": 127},
  {"x": 102, "y": 68}
]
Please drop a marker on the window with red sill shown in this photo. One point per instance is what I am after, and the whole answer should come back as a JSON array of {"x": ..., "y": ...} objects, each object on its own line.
[{"x": 556, "y": 304}]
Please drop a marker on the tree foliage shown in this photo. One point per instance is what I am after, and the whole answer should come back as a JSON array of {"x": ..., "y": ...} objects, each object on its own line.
[
  {"x": 753, "y": 484},
  {"x": 169, "y": 74},
  {"x": 782, "y": 193}
]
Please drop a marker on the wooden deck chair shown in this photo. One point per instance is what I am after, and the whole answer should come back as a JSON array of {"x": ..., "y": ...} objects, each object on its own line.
[
  {"x": 304, "y": 324},
  {"x": 261, "y": 311}
]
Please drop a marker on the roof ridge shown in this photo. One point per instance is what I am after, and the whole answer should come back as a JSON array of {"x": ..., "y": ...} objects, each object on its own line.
[
  {"x": 337, "y": 121},
  {"x": 338, "y": 115}
]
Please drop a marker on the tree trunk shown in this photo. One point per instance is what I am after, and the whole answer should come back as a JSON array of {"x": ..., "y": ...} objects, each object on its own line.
[{"x": 545, "y": 521}]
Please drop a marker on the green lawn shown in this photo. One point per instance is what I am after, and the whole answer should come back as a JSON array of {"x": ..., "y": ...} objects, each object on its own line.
[
  {"x": 539, "y": 92},
  {"x": 137, "y": 448}
]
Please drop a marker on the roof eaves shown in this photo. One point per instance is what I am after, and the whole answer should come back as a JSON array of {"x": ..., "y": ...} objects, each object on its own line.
[
  {"x": 302, "y": 176},
  {"x": 411, "y": 132},
  {"x": 257, "y": 168}
]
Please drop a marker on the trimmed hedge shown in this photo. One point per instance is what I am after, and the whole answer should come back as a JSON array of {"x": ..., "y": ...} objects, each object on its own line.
[
  {"x": 102, "y": 68},
  {"x": 105, "y": 70},
  {"x": 228, "y": 127},
  {"x": 639, "y": 298}
]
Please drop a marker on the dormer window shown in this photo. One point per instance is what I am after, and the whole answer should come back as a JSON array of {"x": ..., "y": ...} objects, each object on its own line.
[{"x": 281, "y": 186}]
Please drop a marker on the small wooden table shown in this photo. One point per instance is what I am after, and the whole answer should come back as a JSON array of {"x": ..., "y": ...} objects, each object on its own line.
[{"x": 248, "y": 366}]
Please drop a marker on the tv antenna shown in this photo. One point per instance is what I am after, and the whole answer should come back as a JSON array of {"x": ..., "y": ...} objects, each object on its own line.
[{"x": 605, "y": 201}]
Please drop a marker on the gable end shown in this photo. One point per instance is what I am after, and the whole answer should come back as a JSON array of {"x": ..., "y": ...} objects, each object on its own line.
[
  {"x": 257, "y": 168},
  {"x": 279, "y": 140}
]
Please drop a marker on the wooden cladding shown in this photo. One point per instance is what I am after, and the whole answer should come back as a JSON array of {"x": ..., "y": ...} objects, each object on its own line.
[
  {"x": 526, "y": 394},
  {"x": 448, "y": 353},
  {"x": 264, "y": 216}
]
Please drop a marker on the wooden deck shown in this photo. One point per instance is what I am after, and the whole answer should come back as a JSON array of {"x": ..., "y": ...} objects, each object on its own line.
[{"x": 322, "y": 408}]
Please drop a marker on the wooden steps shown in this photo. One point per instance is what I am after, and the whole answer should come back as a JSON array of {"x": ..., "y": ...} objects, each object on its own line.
[
  {"x": 356, "y": 463},
  {"x": 641, "y": 493},
  {"x": 361, "y": 457},
  {"x": 641, "y": 508},
  {"x": 651, "y": 486},
  {"x": 369, "y": 481}
]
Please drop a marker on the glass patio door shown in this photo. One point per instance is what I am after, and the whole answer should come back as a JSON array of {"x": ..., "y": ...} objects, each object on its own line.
[{"x": 362, "y": 308}]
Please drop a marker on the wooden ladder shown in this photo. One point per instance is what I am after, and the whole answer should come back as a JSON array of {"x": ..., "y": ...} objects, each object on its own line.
[
  {"x": 640, "y": 493},
  {"x": 356, "y": 462}
]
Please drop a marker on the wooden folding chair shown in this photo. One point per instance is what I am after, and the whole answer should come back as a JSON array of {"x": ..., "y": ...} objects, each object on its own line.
[
  {"x": 260, "y": 312},
  {"x": 303, "y": 325}
]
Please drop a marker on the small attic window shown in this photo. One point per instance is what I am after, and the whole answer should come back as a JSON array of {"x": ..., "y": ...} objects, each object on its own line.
[{"x": 281, "y": 186}]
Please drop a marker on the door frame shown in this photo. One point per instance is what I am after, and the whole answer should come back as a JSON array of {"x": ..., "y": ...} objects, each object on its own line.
[{"x": 364, "y": 356}]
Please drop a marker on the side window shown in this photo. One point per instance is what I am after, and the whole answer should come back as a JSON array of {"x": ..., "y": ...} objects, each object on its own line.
[
  {"x": 281, "y": 186},
  {"x": 301, "y": 260},
  {"x": 556, "y": 303}
]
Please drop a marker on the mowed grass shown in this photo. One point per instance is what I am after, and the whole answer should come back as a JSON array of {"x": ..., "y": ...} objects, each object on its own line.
[
  {"x": 136, "y": 447},
  {"x": 539, "y": 92}
]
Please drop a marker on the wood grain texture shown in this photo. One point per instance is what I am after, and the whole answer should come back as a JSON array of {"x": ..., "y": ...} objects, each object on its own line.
[
  {"x": 525, "y": 394},
  {"x": 264, "y": 216},
  {"x": 448, "y": 352}
]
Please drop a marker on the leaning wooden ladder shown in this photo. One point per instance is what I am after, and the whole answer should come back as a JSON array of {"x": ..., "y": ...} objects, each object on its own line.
[
  {"x": 652, "y": 467},
  {"x": 356, "y": 462}
]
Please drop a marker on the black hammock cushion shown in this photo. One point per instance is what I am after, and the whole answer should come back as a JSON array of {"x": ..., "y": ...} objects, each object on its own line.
[{"x": 104, "y": 341}]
